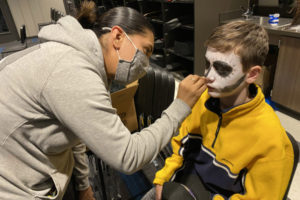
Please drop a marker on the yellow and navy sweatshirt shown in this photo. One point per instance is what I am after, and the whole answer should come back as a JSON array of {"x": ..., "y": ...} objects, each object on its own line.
[{"x": 240, "y": 153}]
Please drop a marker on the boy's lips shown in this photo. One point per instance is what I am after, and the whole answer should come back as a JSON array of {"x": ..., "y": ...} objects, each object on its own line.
[{"x": 210, "y": 88}]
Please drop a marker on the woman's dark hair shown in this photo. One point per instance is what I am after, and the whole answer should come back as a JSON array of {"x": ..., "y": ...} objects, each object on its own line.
[{"x": 130, "y": 20}]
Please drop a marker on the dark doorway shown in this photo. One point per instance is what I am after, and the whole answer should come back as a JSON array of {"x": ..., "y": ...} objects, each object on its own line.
[
  {"x": 70, "y": 7},
  {"x": 8, "y": 31}
]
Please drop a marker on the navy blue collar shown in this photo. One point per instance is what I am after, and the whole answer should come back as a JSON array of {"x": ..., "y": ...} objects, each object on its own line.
[{"x": 213, "y": 104}]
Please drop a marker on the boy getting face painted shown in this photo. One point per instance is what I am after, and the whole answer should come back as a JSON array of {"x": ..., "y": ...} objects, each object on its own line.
[{"x": 232, "y": 146}]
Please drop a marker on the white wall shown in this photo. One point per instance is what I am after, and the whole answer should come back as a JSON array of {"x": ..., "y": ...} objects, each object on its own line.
[{"x": 33, "y": 12}]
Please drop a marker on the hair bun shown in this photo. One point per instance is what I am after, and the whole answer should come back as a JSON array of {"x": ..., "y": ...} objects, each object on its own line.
[{"x": 87, "y": 15}]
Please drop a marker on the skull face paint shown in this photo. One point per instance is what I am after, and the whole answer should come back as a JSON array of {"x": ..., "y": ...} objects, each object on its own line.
[{"x": 224, "y": 72}]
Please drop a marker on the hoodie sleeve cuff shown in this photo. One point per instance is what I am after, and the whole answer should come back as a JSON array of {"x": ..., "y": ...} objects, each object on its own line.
[
  {"x": 158, "y": 181},
  {"x": 178, "y": 110},
  {"x": 82, "y": 183}
]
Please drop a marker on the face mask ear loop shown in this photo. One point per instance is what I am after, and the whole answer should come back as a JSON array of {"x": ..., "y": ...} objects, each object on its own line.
[
  {"x": 106, "y": 28},
  {"x": 130, "y": 40},
  {"x": 118, "y": 54},
  {"x": 109, "y": 29}
]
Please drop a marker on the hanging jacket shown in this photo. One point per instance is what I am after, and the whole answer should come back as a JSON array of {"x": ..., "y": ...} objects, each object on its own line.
[
  {"x": 54, "y": 96},
  {"x": 240, "y": 153}
]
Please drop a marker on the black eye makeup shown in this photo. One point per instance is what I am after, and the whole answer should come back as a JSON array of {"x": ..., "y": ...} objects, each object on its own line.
[
  {"x": 207, "y": 67},
  {"x": 207, "y": 64},
  {"x": 222, "y": 68}
]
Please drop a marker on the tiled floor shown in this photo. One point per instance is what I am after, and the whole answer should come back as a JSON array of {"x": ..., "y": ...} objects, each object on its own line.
[
  {"x": 292, "y": 125},
  {"x": 294, "y": 193}
]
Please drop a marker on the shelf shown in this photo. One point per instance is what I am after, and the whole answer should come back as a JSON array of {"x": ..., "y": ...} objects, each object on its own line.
[
  {"x": 172, "y": 1},
  {"x": 183, "y": 26},
  {"x": 179, "y": 74},
  {"x": 168, "y": 32},
  {"x": 187, "y": 27},
  {"x": 179, "y": 1},
  {"x": 155, "y": 65},
  {"x": 154, "y": 1},
  {"x": 158, "y": 21},
  {"x": 190, "y": 58}
]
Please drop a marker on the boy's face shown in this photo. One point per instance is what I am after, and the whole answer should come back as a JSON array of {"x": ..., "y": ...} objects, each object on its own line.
[{"x": 224, "y": 72}]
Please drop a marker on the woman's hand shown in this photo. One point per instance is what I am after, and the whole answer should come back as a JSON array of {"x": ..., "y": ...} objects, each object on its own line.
[
  {"x": 86, "y": 194},
  {"x": 191, "y": 88},
  {"x": 158, "y": 192}
]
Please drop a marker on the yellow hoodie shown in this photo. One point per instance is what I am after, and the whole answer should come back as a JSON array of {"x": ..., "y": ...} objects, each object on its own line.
[{"x": 241, "y": 153}]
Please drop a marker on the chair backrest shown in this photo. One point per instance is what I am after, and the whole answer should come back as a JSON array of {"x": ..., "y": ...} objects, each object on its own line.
[
  {"x": 143, "y": 98},
  {"x": 296, "y": 159},
  {"x": 154, "y": 95}
]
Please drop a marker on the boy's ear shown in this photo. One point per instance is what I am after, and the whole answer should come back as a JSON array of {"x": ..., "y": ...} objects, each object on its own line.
[{"x": 253, "y": 73}]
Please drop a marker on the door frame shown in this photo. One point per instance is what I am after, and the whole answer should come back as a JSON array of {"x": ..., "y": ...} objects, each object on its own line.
[
  {"x": 13, "y": 33},
  {"x": 70, "y": 7}
]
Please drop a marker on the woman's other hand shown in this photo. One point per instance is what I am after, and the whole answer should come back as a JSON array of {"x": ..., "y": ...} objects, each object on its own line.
[
  {"x": 158, "y": 192},
  {"x": 86, "y": 194}
]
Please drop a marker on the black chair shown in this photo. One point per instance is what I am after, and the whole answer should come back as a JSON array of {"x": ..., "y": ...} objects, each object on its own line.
[
  {"x": 155, "y": 93},
  {"x": 296, "y": 160}
]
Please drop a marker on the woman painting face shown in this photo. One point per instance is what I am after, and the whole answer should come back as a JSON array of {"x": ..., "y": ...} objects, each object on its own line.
[{"x": 224, "y": 72}]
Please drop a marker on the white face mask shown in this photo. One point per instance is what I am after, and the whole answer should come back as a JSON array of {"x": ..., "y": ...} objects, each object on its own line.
[
  {"x": 225, "y": 72},
  {"x": 129, "y": 71}
]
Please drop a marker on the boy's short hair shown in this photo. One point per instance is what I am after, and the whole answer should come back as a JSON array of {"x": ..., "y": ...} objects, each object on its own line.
[{"x": 248, "y": 40}]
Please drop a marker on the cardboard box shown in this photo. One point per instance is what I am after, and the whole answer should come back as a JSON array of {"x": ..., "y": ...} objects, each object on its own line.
[{"x": 123, "y": 101}]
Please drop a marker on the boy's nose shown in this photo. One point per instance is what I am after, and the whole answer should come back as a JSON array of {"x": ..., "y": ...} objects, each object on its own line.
[
  {"x": 210, "y": 79},
  {"x": 210, "y": 75}
]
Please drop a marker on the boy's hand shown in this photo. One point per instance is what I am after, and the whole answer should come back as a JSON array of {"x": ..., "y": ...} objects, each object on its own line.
[
  {"x": 86, "y": 194},
  {"x": 191, "y": 88},
  {"x": 158, "y": 192}
]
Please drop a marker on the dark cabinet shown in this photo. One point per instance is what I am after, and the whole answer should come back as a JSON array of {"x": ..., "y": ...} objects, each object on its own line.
[
  {"x": 173, "y": 21},
  {"x": 181, "y": 28}
]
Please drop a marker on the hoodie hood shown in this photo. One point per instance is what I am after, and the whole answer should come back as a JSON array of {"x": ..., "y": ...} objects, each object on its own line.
[{"x": 69, "y": 31}]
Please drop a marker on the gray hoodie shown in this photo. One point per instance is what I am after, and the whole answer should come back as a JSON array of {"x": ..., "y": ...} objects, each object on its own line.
[{"x": 54, "y": 95}]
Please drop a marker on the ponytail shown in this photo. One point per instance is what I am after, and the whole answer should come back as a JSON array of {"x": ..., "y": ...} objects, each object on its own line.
[{"x": 87, "y": 15}]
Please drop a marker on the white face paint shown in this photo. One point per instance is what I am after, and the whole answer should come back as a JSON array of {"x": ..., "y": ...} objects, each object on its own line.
[{"x": 225, "y": 73}]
